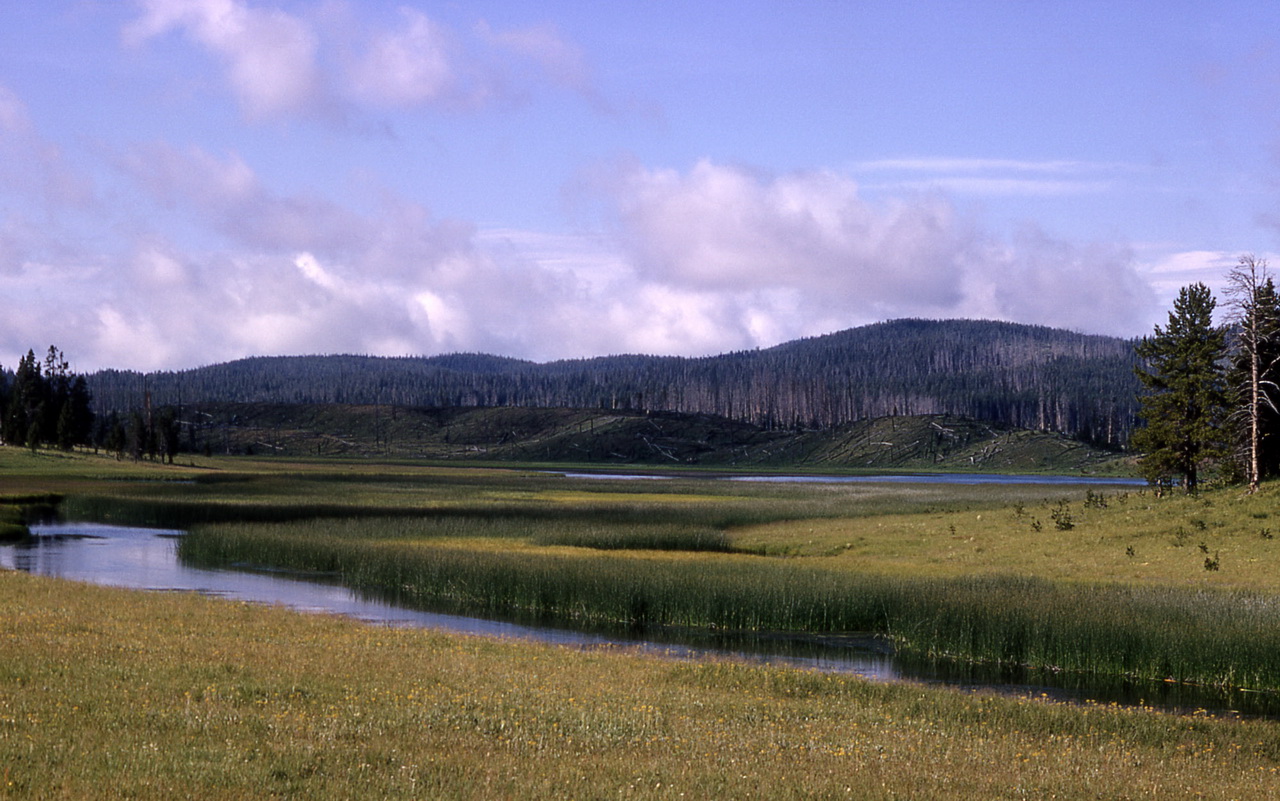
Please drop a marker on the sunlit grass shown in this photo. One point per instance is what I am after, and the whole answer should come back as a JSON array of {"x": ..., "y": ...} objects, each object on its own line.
[
  {"x": 1135, "y": 538},
  {"x": 109, "y": 694},
  {"x": 209, "y": 699}
]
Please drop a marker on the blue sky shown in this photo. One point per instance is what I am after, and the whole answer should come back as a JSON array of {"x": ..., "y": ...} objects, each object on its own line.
[{"x": 184, "y": 182}]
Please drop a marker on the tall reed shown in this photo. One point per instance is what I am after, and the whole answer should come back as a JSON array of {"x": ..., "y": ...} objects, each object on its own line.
[{"x": 1210, "y": 637}]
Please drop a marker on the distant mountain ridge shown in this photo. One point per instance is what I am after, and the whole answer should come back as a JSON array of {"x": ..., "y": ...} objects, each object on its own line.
[{"x": 1018, "y": 375}]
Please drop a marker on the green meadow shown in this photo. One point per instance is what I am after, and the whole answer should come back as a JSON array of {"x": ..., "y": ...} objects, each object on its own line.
[{"x": 211, "y": 698}]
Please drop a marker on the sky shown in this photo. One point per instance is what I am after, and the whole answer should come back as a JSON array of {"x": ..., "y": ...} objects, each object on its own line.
[{"x": 187, "y": 182}]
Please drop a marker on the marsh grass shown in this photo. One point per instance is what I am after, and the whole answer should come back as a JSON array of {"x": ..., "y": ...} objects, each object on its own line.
[
  {"x": 107, "y": 693},
  {"x": 1214, "y": 637},
  {"x": 12, "y": 526}
]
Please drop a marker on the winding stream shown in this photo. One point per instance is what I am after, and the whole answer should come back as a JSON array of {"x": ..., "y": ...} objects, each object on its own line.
[{"x": 147, "y": 559}]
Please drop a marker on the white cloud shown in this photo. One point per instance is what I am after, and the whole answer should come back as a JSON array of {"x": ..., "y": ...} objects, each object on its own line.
[
  {"x": 995, "y": 177},
  {"x": 725, "y": 228},
  {"x": 711, "y": 259},
  {"x": 561, "y": 61},
  {"x": 334, "y": 59},
  {"x": 269, "y": 55},
  {"x": 1004, "y": 187},
  {"x": 226, "y": 194},
  {"x": 801, "y": 248},
  {"x": 1095, "y": 288},
  {"x": 404, "y": 67},
  {"x": 1168, "y": 273}
]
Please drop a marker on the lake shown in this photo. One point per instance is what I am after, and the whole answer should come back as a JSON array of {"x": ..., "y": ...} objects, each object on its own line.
[{"x": 887, "y": 478}]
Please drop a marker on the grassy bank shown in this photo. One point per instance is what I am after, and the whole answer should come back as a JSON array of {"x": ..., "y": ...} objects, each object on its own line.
[{"x": 112, "y": 694}]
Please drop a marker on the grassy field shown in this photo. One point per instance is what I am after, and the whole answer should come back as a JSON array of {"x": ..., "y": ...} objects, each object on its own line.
[{"x": 111, "y": 693}]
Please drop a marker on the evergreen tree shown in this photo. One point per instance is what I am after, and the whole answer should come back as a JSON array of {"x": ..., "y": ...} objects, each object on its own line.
[
  {"x": 56, "y": 392},
  {"x": 66, "y": 434},
  {"x": 6, "y": 389},
  {"x": 45, "y": 405},
  {"x": 167, "y": 435},
  {"x": 25, "y": 402},
  {"x": 115, "y": 438},
  {"x": 80, "y": 402},
  {"x": 1184, "y": 406}
]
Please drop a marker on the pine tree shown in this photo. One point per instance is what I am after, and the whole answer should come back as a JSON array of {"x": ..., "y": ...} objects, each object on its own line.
[
  {"x": 25, "y": 402},
  {"x": 82, "y": 418},
  {"x": 1184, "y": 407}
]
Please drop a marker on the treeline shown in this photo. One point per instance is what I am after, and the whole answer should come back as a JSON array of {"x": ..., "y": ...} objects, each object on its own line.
[
  {"x": 1212, "y": 391},
  {"x": 1025, "y": 376},
  {"x": 45, "y": 404}
]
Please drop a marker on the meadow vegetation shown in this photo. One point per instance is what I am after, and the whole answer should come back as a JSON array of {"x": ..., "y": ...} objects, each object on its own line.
[
  {"x": 107, "y": 693},
  {"x": 225, "y": 696}
]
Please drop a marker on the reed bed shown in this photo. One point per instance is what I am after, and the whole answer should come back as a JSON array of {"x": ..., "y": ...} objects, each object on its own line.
[{"x": 1213, "y": 637}]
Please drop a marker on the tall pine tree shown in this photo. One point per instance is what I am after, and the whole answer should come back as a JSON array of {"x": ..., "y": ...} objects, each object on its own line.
[{"x": 1184, "y": 406}]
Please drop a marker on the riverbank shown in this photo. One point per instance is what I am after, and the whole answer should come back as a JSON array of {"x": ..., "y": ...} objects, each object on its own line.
[
  {"x": 1017, "y": 536},
  {"x": 217, "y": 699},
  {"x": 1055, "y": 577}
]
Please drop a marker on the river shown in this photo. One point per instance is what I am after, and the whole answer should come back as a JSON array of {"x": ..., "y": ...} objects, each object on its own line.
[{"x": 147, "y": 559}]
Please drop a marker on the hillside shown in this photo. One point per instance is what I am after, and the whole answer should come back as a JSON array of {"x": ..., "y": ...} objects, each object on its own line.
[
  {"x": 1012, "y": 375},
  {"x": 630, "y": 438}
]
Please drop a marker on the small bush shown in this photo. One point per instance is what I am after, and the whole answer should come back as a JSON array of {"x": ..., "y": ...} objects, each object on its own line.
[{"x": 1061, "y": 515}]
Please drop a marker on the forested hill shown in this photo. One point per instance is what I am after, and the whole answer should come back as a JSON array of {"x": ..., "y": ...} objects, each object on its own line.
[{"x": 1024, "y": 376}]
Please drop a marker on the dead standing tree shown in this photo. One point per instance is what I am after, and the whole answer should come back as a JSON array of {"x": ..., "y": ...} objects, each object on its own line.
[{"x": 1255, "y": 314}]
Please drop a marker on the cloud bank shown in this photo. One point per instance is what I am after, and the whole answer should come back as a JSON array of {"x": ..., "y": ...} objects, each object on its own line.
[
  {"x": 159, "y": 254},
  {"x": 706, "y": 260}
]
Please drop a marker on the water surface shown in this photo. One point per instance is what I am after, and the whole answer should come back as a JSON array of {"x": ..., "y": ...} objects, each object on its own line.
[{"x": 885, "y": 478}]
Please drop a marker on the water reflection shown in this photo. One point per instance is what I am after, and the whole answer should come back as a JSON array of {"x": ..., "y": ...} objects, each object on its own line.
[
  {"x": 147, "y": 559},
  {"x": 946, "y": 478}
]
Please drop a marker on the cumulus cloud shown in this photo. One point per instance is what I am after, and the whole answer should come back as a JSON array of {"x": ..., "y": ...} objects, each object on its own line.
[
  {"x": 712, "y": 259},
  {"x": 788, "y": 253},
  {"x": 269, "y": 55},
  {"x": 1035, "y": 278},
  {"x": 405, "y": 67},
  {"x": 719, "y": 227},
  {"x": 225, "y": 193},
  {"x": 334, "y": 59}
]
